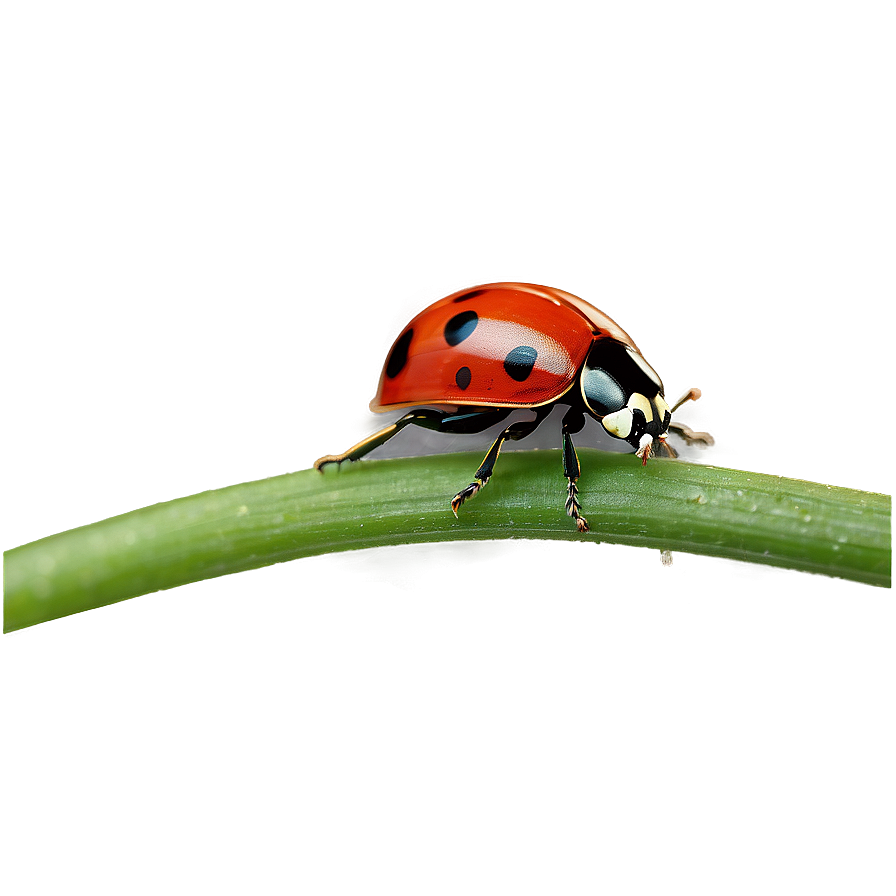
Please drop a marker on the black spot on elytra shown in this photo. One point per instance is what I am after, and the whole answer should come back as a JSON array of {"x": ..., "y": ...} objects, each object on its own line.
[
  {"x": 470, "y": 295},
  {"x": 520, "y": 361},
  {"x": 460, "y": 327},
  {"x": 399, "y": 355},
  {"x": 463, "y": 377}
]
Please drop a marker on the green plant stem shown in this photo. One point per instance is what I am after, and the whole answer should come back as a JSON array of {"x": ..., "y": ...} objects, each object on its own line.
[{"x": 667, "y": 505}]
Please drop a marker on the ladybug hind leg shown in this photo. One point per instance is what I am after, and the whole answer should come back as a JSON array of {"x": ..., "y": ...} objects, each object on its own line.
[
  {"x": 573, "y": 422},
  {"x": 441, "y": 421},
  {"x": 515, "y": 432},
  {"x": 356, "y": 452}
]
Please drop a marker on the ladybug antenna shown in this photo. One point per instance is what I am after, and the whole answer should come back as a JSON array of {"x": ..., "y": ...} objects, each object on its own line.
[{"x": 690, "y": 395}]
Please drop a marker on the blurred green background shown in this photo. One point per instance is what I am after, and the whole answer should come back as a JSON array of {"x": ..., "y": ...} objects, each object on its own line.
[{"x": 216, "y": 216}]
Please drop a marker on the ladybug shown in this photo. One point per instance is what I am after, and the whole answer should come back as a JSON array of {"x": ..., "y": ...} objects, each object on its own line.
[{"x": 470, "y": 359}]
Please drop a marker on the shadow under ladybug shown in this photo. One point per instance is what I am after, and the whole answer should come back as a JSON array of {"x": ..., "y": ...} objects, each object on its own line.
[{"x": 470, "y": 360}]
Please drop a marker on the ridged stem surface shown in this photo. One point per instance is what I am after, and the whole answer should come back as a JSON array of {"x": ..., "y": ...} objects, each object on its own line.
[{"x": 669, "y": 505}]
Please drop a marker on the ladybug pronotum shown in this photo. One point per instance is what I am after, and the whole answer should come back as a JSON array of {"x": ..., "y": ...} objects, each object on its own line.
[{"x": 470, "y": 359}]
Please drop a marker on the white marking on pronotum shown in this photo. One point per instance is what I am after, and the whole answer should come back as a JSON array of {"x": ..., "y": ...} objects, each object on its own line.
[
  {"x": 619, "y": 423},
  {"x": 640, "y": 402},
  {"x": 646, "y": 368}
]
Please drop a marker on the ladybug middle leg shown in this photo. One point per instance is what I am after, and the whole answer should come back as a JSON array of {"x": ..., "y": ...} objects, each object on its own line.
[
  {"x": 515, "y": 431},
  {"x": 573, "y": 422}
]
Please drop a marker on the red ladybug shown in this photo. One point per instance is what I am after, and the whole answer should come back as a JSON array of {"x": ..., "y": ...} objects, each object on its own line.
[{"x": 475, "y": 356}]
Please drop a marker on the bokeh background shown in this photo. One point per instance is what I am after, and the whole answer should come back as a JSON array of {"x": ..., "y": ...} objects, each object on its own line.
[{"x": 217, "y": 218}]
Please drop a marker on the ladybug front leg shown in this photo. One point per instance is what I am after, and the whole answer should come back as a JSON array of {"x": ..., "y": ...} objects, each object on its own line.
[
  {"x": 515, "y": 431},
  {"x": 690, "y": 437},
  {"x": 685, "y": 432},
  {"x": 573, "y": 422}
]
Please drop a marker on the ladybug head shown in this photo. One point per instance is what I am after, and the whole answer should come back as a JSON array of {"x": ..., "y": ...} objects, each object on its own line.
[
  {"x": 641, "y": 423},
  {"x": 625, "y": 393}
]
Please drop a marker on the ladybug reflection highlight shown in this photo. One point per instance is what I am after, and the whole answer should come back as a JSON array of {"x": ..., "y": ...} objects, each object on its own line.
[{"x": 469, "y": 360}]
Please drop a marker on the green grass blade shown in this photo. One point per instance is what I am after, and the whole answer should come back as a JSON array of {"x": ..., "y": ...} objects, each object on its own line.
[{"x": 666, "y": 505}]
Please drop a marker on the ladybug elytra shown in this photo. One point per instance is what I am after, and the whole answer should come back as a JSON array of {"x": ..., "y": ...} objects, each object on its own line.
[{"x": 467, "y": 361}]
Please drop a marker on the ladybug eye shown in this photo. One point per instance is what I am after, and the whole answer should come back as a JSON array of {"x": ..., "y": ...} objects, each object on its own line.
[
  {"x": 602, "y": 393},
  {"x": 619, "y": 424}
]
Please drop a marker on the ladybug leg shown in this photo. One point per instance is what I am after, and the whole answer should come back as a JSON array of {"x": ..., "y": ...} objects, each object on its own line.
[
  {"x": 573, "y": 422},
  {"x": 515, "y": 432},
  {"x": 363, "y": 447},
  {"x": 428, "y": 419},
  {"x": 691, "y": 437}
]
